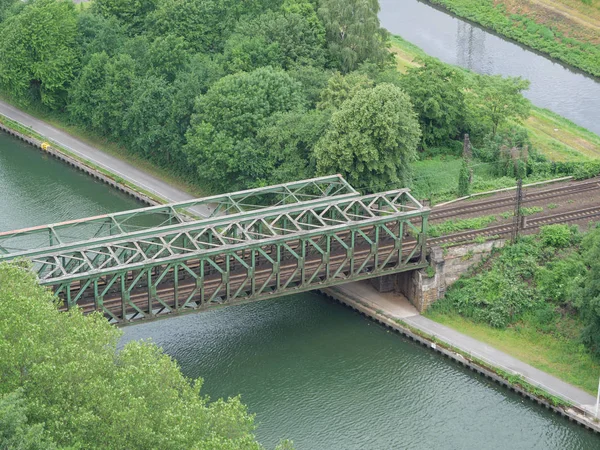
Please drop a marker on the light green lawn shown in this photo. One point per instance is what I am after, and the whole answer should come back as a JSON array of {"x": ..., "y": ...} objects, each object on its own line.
[{"x": 564, "y": 358}]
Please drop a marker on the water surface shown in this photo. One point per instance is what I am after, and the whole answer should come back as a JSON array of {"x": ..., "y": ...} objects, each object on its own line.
[{"x": 563, "y": 90}]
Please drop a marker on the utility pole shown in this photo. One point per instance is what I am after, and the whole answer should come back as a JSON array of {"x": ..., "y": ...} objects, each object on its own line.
[
  {"x": 468, "y": 155},
  {"x": 516, "y": 231}
]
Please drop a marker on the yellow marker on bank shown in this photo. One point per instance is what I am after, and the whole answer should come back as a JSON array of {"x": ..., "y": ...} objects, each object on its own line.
[{"x": 45, "y": 146}]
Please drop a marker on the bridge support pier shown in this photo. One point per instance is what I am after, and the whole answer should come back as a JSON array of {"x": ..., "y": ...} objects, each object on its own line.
[{"x": 424, "y": 287}]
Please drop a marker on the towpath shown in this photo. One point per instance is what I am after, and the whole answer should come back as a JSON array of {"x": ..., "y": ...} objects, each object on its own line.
[
  {"x": 398, "y": 307},
  {"x": 108, "y": 162}
]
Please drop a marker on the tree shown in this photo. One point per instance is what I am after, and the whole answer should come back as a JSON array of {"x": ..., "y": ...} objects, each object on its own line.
[
  {"x": 38, "y": 52},
  {"x": 6, "y": 8},
  {"x": 221, "y": 141},
  {"x": 146, "y": 119},
  {"x": 494, "y": 100},
  {"x": 313, "y": 81},
  {"x": 436, "y": 91},
  {"x": 15, "y": 431},
  {"x": 203, "y": 25},
  {"x": 282, "y": 39},
  {"x": 102, "y": 94},
  {"x": 288, "y": 140},
  {"x": 200, "y": 74},
  {"x": 464, "y": 185},
  {"x": 86, "y": 105},
  {"x": 97, "y": 34},
  {"x": 166, "y": 57},
  {"x": 588, "y": 292},
  {"x": 372, "y": 139},
  {"x": 353, "y": 32},
  {"x": 342, "y": 87},
  {"x": 131, "y": 12},
  {"x": 89, "y": 395}
]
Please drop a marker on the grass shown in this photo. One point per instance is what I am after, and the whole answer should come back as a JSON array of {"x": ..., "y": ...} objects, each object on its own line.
[
  {"x": 560, "y": 139},
  {"x": 531, "y": 210},
  {"x": 61, "y": 122},
  {"x": 565, "y": 359},
  {"x": 531, "y": 22},
  {"x": 557, "y": 138},
  {"x": 455, "y": 226}
]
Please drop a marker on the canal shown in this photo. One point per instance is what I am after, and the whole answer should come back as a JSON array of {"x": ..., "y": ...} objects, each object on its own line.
[
  {"x": 311, "y": 370},
  {"x": 553, "y": 86}
]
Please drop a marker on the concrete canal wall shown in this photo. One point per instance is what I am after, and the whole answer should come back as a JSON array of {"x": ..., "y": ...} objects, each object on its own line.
[{"x": 79, "y": 165}]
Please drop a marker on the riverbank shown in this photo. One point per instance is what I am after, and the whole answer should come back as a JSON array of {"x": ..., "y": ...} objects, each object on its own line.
[
  {"x": 395, "y": 312},
  {"x": 556, "y": 137},
  {"x": 119, "y": 166},
  {"x": 565, "y": 30}
]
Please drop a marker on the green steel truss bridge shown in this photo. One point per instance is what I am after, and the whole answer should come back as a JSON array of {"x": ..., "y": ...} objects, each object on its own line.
[{"x": 247, "y": 245}]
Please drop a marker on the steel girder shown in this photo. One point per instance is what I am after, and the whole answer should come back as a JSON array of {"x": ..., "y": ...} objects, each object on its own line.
[
  {"x": 22, "y": 242},
  {"x": 269, "y": 226},
  {"x": 292, "y": 264}
]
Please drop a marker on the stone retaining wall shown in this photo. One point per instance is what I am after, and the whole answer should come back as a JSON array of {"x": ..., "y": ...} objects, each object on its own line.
[{"x": 449, "y": 264}]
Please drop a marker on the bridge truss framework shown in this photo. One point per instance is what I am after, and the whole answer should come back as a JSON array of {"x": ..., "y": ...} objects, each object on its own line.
[{"x": 292, "y": 245}]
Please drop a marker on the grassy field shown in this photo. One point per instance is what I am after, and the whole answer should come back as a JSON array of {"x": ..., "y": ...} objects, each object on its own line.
[
  {"x": 554, "y": 136},
  {"x": 565, "y": 30},
  {"x": 436, "y": 178},
  {"x": 565, "y": 359}
]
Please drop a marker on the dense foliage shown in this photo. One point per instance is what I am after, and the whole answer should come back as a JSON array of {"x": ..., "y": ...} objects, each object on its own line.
[
  {"x": 540, "y": 280},
  {"x": 232, "y": 95},
  {"x": 372, "y": 139},
  {"x": 63, "y": 384}
]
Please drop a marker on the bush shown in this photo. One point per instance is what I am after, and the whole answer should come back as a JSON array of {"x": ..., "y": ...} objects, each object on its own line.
[{"x": 558, "y": 236}]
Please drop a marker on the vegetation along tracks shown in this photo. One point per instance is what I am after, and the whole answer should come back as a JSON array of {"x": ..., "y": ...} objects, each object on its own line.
[
  {"x": 528, "y": 226},
  {"x": 508, "y": 201}
]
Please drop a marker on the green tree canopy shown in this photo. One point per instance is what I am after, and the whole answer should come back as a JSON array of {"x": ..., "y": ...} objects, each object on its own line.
[
  {"x": 288, "y": 140},
  {"x": 6, "y": 8},
  {"x": 87, "y": 395},
  {"x": 38, "y": 52},
  {"x": 166, "y": 57},
  {"x": 221, "y": 141},
  {"x": 436, "y": 91},
  {"x": 493, "y": 100},
  {"x": 588, "y": 294},
  {"x": 282, "y": 39},
  {"x": 353, "y": 32},
  {"x": 132, "y": 13},
  {"x": 342, "y": 87},
  {"x": 204, "y": 25},
  {"x": 146, "y": 117},
  {"x": 372, "y": 139},
  {"x": 97, "y": 34},
  {"x": 103, "y": 92}
]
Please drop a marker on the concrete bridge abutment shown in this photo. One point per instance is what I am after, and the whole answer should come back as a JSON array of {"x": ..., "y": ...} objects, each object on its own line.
[{"x": 424, "y": 287}]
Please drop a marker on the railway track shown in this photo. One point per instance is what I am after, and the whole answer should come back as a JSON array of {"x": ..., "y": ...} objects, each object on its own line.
[
  {"x": 508, "y": 201},
  {"x": 239, "y": 281},
  {"x": 529, "y": 226}
]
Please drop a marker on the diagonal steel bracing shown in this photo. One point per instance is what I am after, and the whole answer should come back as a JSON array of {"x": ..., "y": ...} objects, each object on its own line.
[
  {"x": 258, "y": 253},
  {"x": 20, "y": 242}
]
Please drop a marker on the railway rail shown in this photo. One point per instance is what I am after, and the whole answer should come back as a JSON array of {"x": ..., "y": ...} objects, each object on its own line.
[
  {"x": 529, "y": 226},
  {"x": 529, "y": 197}
]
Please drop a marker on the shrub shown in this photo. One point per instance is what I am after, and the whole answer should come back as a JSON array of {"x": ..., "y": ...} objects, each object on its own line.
[{"x": 557, "y": 236}]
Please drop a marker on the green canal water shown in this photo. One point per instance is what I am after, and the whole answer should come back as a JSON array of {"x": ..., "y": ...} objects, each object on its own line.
[{"x": 310, "y": 369}]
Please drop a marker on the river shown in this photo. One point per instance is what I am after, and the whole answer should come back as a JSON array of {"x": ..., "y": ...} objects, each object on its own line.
[
  {"x": 560, "y": 89},
  {"x": 310, "y": 369}
]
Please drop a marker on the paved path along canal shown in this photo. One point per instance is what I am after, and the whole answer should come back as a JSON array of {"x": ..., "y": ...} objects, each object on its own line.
[
  {"x": 310, "y": 369},
  {"x": 115, "y": 165},
  {"x": 563, "y": 90},
  {"x": 398, "y": 307}
]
